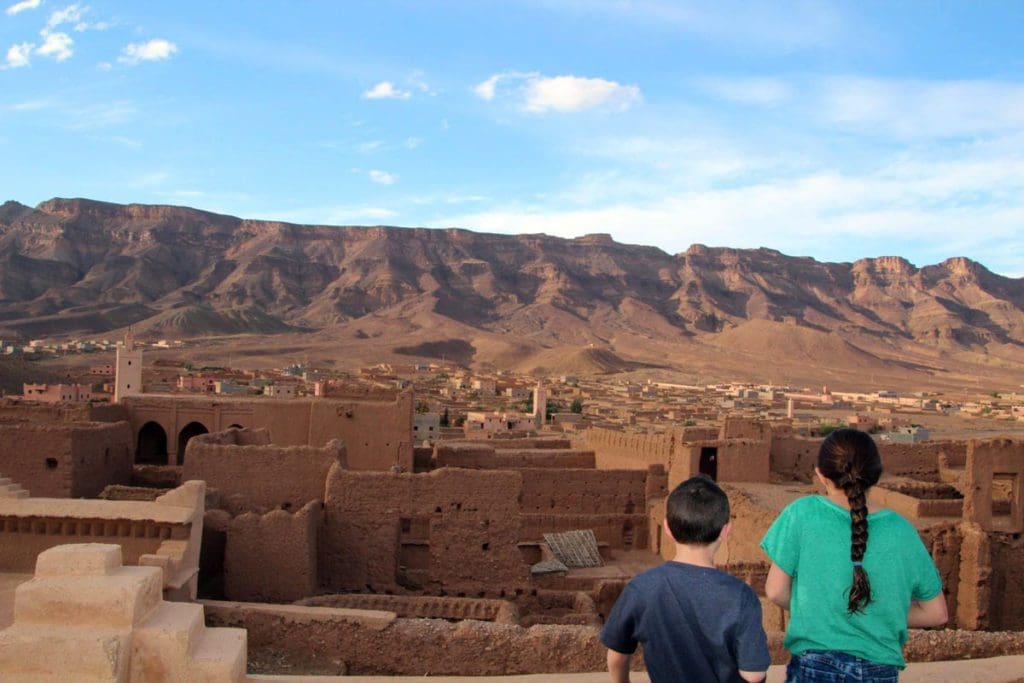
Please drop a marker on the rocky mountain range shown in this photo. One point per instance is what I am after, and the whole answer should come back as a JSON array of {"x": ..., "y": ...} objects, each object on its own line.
[{"x": 82, "y": 267}]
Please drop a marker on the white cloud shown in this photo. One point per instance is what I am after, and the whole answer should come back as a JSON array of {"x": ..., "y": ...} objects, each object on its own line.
[
  {"x": 765, "y": 92},
  {"x": 413, "y": 142},
  {"x": 22, "y": 6},
  {"x": 151, "y": 51},
  {"x": 382, "y": 177},
  {"x": 370, "y": 146},
  {"x": 572, "y": 93},
  {"x": 18, "y": 55},
  {"x": 485, "y": 90},
  {"x": 72, "y": 14},
  {"x": 538, "y": 94},
  {"x": 57, "y": 45},
  {"x": 385, "y": 90}
]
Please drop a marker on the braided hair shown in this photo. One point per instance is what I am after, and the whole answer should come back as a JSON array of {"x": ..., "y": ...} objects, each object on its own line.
[{"x": 850, "y": 459}]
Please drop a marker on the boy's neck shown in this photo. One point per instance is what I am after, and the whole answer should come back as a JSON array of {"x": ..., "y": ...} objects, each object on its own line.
[{"x": 699, "y": 555}]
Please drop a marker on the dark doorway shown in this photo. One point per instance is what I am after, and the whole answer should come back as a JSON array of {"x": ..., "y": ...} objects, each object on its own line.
[
  {"x": 709, "y": 461},
  {"x": 151, "y": 448},
  {"x": 186, "y": 433}
]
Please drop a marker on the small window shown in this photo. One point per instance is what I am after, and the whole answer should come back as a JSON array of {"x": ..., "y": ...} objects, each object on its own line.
[{"x": 51, "y": 463}]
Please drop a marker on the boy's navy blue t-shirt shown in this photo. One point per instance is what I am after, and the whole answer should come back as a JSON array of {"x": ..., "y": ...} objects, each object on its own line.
[{"x": 695, "y": 623}]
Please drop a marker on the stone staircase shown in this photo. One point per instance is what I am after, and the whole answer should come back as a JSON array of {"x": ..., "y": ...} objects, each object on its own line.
[
  {"x": 85, "y": 617},
  {"x": 10, "y": 489}
]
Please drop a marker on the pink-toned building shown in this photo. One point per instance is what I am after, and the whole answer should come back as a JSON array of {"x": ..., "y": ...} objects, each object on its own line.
[
  {"x": 57, "y": 393},
  {"x": 198, "y": 383}
]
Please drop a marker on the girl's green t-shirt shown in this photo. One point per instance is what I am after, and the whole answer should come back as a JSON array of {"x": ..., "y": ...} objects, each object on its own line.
[{"x": 810, "y": 541}]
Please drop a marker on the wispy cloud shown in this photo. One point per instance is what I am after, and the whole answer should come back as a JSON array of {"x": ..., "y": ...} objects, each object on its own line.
[
  {"x": 101, "y": 115},
  {"x": 155, "y": 50},
  {"x": 385, "y": 90},
  {"x": 753, "y": 91},
  {"x": 22, "y": 6},
  {"x": 412, "y": 142},
  {"x": 382, "y": 177},
  {"x": 536, "y": 93},
  {"x": 18, "y": 55},
  {"x": 72, "y": 14}
]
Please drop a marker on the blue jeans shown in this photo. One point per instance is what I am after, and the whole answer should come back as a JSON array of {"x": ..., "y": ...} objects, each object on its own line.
[{"x": 829, "y": 666}]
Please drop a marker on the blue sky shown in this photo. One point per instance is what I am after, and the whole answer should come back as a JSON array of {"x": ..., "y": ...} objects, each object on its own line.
[{"x": 831, "y": 130}]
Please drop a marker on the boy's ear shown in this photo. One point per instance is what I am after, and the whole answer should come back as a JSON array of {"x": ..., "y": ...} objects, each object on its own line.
[
  {"x": 664, "y": 526},
  {"x": 725, "y": 531}
]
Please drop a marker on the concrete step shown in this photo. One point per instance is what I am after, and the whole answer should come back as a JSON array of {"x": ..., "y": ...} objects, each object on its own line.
[
  {"x": 220, "y": 656},
  {"x": 42, "y": 654},
  {"x": 120, "y": 600},
  {"x": 162, "y": 645}
]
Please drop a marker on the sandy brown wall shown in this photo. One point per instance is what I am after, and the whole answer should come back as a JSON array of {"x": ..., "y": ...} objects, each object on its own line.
[
  {"x": 102, "y": 454},
  {"x": 794, "y": 457},
  {"x": 919, "y": 460},
  {"x": 261, "y": 478},
  {"x": 619, "y": 531},
  {"x": 451, "y": 529},
  {"x": 272, "y": 557},
  {"x": 615, "y": 449},
  {"x": 1006, "y": 612},
  {"x": 583, "y": 491},
  {"x": 484, "y": 456}
]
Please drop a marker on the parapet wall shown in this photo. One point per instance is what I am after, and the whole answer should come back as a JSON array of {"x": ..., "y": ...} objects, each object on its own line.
[
  {"x": 261, "y": 477},
  {"x": 66, "y": 459},
  {"x": 377, "y": 433},
  {"x": 919, "y": 460},
  {"x": 619, "y": 450},
  {"x": 485, "y": 456},
  {"x": 272, "y": 557},
  {"x": 422, "y": 606},
  {"x": 583, "y": 492}
]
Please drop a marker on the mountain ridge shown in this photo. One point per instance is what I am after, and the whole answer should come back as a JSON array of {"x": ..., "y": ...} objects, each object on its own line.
[{"x": 66, "y": 262}]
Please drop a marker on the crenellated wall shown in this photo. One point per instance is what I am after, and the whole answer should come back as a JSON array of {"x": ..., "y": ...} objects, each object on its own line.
[
  {"x": 252, "y": 574},
  {"x": 253, "y": 475}
]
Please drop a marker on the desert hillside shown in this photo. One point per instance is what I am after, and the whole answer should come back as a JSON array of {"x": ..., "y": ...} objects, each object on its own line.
[{"x": 529, "y": 302}]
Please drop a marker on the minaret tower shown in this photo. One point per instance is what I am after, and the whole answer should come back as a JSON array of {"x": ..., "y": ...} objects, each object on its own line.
[
  {"x": 540, "y": 405},
  {"x": 128, "y": 370}
]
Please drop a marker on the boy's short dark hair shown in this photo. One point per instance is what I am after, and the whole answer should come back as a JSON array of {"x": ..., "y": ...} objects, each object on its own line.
[{"x": 696, "y": 511}]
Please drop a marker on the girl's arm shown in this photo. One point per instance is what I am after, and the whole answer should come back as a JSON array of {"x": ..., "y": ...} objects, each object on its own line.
[
  {"x": 927, "y": 614},
  {"x": 779, "y": 585}
]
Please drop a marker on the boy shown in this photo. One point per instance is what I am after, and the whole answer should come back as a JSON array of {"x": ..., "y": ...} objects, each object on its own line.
[{"x": 696, "y": 623}]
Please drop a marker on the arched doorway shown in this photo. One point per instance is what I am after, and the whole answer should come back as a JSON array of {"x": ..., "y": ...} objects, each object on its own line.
[
  {"x": 236, "y": 426},
  {"x": 151, "y": 448},
  {"x": 186, "y": 433},
  {"x": 709, "y": 461}
]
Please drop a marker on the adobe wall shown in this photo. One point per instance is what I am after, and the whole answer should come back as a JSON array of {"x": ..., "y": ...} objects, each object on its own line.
[
  {"x": 451, "y": 529},
  {"x": 45, "y": 412},
  {"x": 919, "y": 460},
  {"x": 377, "y": 433},
  {"x": 422, "y": 606},
  {"x": 617, "y": 450},
  {"x": 1007, "y": 583},
  {"x": 534, "y": 443},
  {"x": 484, "y": 456},
  {"x": 413, "y": 647},
  {"x": 66, "y": 459},
  {"x": 583, "y": 491},
  {"x": 619, "y": 531},
  {"x": 735, "y": 427},
  {"x": 272, "y": 557},
  {"x": 739, "y": 460},
  {"x": 260, "y": 477},
  {"x": 794, "y": 457}
]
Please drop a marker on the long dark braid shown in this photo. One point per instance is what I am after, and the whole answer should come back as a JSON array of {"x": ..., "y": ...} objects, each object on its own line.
[{"x": 850, "y": 459}]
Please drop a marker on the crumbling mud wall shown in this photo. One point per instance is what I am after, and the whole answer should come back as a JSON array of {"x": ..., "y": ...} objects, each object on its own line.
[
  {"x": 451, "y": 530},
  {"x": 919, "y": 460},
  {"x": 377, "y": 433},
  {"x": 617, "y": 450},
  {"x": 251, "y": 476},
  {"x": 272, "y": 557},
  {"x": 66, "y": 459},
  {"x": 1007, "y": 583},
  {"x": 485, "y": 456},
  {"x": 737, "y": 460},
  {"x": 618, "y": 531},
  {"x": 794, "y": 457},
  {"x": 583, "y": 491},
  {"x": 422, "y": 606},
  {"x": 739, "y": 427}
]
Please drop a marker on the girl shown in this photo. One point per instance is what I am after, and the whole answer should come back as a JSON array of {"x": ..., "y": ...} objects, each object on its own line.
[{"x": 851, "y": 600}]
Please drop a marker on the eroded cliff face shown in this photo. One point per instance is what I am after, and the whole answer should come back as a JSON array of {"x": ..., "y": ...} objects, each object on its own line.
[{"x": 74, "y": 265}]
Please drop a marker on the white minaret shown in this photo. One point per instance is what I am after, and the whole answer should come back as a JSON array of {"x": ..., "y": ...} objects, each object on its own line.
[
  {"x": 540, "y": 405},
  {"x": 128, "y": 370}
]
